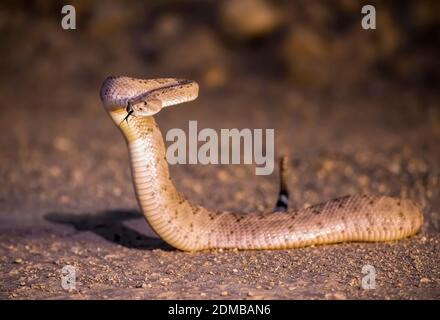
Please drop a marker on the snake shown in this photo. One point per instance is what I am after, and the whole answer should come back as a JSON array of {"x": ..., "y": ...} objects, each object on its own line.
[{"x": 186, "y": 226}]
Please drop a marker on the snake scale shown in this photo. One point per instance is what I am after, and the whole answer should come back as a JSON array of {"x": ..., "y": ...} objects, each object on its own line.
[{"x": 131, "y": 103}]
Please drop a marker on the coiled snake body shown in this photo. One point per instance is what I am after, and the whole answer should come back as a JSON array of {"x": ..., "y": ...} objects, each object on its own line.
[{"x": 132, "y": 103}]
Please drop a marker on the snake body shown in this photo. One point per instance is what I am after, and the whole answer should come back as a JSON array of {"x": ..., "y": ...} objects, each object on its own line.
[{"x": 191, "y": 227}]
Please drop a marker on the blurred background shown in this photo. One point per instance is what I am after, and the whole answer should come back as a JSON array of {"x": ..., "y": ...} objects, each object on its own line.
[
  {"x": 357, "y": 110},
  {"x": 311, "y": 44}
]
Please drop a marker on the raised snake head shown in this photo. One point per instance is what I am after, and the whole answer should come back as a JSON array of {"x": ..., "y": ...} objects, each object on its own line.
[{"x": 146, "y": 97}]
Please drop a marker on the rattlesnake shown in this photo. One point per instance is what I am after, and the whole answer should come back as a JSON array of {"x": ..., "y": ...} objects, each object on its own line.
[{"x": 131, "y": 103}]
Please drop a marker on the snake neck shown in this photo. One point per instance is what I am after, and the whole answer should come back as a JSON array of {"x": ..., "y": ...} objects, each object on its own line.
[{"x": 168, "y": 213}]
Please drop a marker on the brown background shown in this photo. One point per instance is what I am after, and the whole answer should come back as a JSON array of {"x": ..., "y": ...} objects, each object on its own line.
[{"x": 355, "y": 110}]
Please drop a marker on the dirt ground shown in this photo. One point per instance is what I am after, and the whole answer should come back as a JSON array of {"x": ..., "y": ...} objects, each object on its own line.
[
  {"x": 66, "y": 195},
  {"x": 67, "y": 199}
]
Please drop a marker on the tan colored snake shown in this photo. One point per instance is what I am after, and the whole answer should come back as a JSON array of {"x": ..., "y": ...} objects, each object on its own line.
[{"x": 132, "y": 103}]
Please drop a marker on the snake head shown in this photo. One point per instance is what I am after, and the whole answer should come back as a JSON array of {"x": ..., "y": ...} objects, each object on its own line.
[
  {"x": 144, "y": 107},
  {"x": 145, "y": 97}
]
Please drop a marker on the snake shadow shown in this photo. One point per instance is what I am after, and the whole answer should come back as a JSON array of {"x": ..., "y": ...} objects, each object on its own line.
[{"x": 109, "y": 224}]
